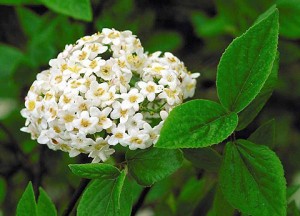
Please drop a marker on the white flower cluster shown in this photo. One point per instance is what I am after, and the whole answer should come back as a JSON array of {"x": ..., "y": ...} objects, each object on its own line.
[{"x": 103, "y": 91}]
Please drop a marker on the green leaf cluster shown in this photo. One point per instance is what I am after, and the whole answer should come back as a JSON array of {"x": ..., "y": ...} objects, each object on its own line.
[
  {"x": 28, "y": 206},
  {"x": 250, "y": 173}
]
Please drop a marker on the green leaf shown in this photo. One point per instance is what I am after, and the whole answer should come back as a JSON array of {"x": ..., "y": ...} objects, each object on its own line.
[
  {"x": 163, "y": 41},
  {"x": 45, "y": 206},
  {"x": 2, "y": 190},
  {"x": 210, "y": 27},
  {"x": 151, "y": 165},
  {"x": 8, "y": 61},
  {"x": 192, "y": 193},
  {"x": 109, "y": 197},
  {"x": 264, "y": 135},
  {"x": 27, "y": 205},
  {"x": 246, "y": 64},
  {"x": 220, "y": 205},
  {"x": 30, "y": 21},
  {"x": 289, "y": 18},
  {"x": 195, "y": 124},
  {"x": 18, "y": 2},
  {"x": 78, "y": 9},
  {"x": 95, "y": 170},
  {"x": 251, "y": 111},
  {"x": 250, "y": 177},
  {"x": 293, "y": 210},
  {"x": 291, "y": 190},
  {"x": 204, "y": 158}
]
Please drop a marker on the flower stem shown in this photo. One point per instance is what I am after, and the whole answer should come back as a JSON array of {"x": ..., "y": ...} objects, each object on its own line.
[{"x": 140, "y": 201}]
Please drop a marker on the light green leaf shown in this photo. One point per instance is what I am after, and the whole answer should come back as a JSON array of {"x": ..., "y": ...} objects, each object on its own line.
[
  {"x": 265, "y": 134},
  {"x": 109, "y": 197},
  {"x": 204, "y": 158},
  {"x": 163, "y": 41},
  {"x": 195, "y": 124},
  {"x": 45, "y": 206},
  {"x": 27, "y": 205},
  {"x": 250, "y": 177},
  {"x": 246, "y": 64},
  {"x": 78, "y": 9},
  {"x": 291, "y": 190},
  {"x": 151, "y": 165},
  {"x": 289, "y": 18},
  {"x": 95, "y": 170},
  {"x": 220, "y": 205},
  {"x": 251, "y": 111}
]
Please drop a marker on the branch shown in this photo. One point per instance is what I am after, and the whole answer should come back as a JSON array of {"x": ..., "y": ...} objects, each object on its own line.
[
  {"x": 76, "y": 196},
  {"x": 140, "y": 201},
  {"x": 17, "y": 152}
]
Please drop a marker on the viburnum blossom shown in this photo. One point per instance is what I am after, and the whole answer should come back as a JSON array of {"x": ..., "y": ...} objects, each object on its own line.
[{"x": 103, "y": 91}]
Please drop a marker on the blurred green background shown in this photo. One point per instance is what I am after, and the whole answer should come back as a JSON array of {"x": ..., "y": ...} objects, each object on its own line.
[{"x": 34, "y": 31}]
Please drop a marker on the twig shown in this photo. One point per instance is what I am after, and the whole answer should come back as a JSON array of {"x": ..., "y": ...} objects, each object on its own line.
[
  {"x": 140, "y": 201},
  {"x": 76, "y": 196},
  {"x": 39, "y": 171},
  {"x": 17, "y": 152}
]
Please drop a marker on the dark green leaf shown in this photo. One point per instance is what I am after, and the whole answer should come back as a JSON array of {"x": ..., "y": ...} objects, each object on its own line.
[
  {"x": 192, "y": 193},
  {"x": 209, "y": 27},
  {"x": 109, "y": 197},
  {"x": 95, "y": 170},
  {"x": 204, "y": 158},
  {"x": 151, "y": 165},
  {"x": 197, "y": 123},
  {"x": 289, "y": 18},
  {"x": 246, "y": 64},
  {"x": 78, "y": 9},
  {"x": 27, "y": 205},
  {"x": 293, "y": 210},
  {"x": 250, "y": 177},
  {"x": 45, "y": 206},
  {"x": 163, "y": 41},
  {"x": 251, "y": 111},
  {"x": 30, "y": 21},
  {"x": 2, "y": 189},
  {"x": 7, "y": 65},
  {"x": 264, "y": 135},
  {"x": 18, "y": 2},
  {"x": 220, "y": 205}
]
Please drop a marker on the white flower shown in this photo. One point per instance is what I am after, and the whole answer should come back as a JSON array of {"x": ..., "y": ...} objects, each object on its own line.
[
  {"x": 149, "y": 89},
  {"x": 132, "y": 99},
  {"x": 85, "y": 123},
  {"x": 118, "y": 135},
  {"x": 121, "y": 113},
  {"x": 172, "y": 96},
  {"x": 97, "y": 93},
  {"x": 111, "y": 36},
  {"x": 135, "y": 122},
  {"x": 100, "y": 150},
  {"x": 137, "y": 140},
  {"x": 104, "y": 122},
  {"x": 169, "y": 78},
  {"x": 94, "y": 49},
  {"x": 106, "y": 71}
]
